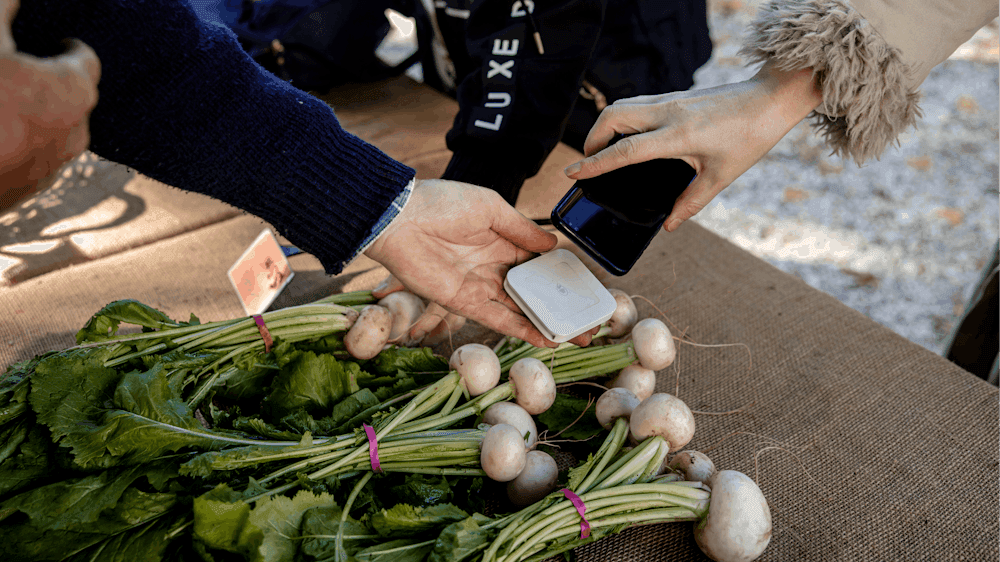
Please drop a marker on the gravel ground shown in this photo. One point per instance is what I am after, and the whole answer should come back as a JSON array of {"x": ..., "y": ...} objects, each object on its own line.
[{"x": 903, "y": 239}]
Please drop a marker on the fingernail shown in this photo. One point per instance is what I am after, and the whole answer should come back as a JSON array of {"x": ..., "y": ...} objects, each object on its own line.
[
  {"x": 381, "y": 286},
  {"x": 572, "y": 169},
  {"x": 673, "y": 224}
]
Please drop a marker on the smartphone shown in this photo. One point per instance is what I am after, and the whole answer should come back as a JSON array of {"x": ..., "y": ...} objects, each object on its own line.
[{"x": 613, "y": 217}]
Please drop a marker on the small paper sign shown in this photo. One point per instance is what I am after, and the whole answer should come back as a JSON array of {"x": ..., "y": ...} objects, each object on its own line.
[{"x": 261, "y": 273}]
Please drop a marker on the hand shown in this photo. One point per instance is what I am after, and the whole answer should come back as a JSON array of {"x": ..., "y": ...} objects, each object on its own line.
[
  {"x": 433, "y": 326},
  {"x": 45, "y": 109},
  {"x": 453, "y": 244},
  {"x": 720, "y": 132}
]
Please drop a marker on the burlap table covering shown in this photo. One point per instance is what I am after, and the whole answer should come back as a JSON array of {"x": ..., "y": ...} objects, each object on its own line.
[{"x": 867, "y": 446}]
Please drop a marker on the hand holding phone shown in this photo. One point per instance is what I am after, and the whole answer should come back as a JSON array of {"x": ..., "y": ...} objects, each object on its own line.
[{"x": 613, "y": 217}]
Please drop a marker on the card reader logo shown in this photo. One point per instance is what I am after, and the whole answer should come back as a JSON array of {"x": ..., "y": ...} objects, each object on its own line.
[{"x": 561, "y": 301}]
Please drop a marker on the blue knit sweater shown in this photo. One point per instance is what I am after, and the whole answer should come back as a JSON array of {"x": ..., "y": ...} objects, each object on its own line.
[{"x": 182, "y": 103}]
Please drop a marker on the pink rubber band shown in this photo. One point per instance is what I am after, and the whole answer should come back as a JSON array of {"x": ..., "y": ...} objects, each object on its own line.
[
  {"x": 372, "y": 447},
  {"x": 264, "y": 333},
  {"x": 581, "y": 508}
]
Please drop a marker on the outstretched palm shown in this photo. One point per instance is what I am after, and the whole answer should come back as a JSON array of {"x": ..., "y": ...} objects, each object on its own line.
[{"x": 454, "y": 243}]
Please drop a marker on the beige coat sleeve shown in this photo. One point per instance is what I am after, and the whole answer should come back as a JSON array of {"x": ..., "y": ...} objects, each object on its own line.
[{"x": 870, "y": 56}]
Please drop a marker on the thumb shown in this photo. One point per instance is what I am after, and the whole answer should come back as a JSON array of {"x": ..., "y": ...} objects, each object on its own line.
[
  {"x": 388, "y": 286},
  {"x": 520, "y": 230},
  {"x": 696, "y": 197}
]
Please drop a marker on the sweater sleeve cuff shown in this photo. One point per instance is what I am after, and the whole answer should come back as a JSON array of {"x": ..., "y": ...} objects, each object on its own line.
[
  {"x": 504, "y": 173},
  {"x": 334, "y": 226},
  {"x": 867, "y": 102},
  {"x": 384, "y": 221}
]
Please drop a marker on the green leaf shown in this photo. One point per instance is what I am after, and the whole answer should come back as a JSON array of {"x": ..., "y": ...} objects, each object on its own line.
[
  {"x": 579, "y": 473},
  {"x": 352, "y": 405},
  {"x": 32, "y": 461},
  {"x": 301, "y": 422},
  {"x": 409, "y": 360},
  {"x": 264, "y": 429},
  {"x": 314, "y": 382},
  {"x": 14, "y": 381},
  {"x": 327, "y": 344},
  {"x": 181, "y": 359},
  {"x": 462, "y": 539},
  {"x": 104, "y": 325},
  {"x": 11, "y": 437},
  {"x": 400, "y": 386},
  {"x": 104, "y": 541},
  {"x": 319, "y": 529},
  {"x": 423, "y": 491},
  {"x": 279, "y": 519},
  {"x": 205, "y": 464},
  {"x": 79, "y": 502},
  {"x": 221, "y": 522},
  {"x": 224, "y": 521},
  {"x": 404, "y": 519},
  {"x": 110, "y": 419},
  {"x": 564, "y": 411}
]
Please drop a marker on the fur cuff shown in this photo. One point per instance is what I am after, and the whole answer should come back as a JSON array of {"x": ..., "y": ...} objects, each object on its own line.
[{"x": 867, "y": 101}]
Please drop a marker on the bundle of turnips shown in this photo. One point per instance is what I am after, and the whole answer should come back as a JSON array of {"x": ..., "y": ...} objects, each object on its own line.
[{"x": 315, "y": 433}]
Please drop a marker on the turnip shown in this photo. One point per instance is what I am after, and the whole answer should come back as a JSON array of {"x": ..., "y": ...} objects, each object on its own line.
[
  {"x": 536, "y": 481},
  {"x": 738, "y": 525},
  {"x": 534, "y": 387},
  {"x": 511, "y": 414},
  {"x": 613, "y": 404},
  {"x": 653, "y": 344},
  {"x": 664, "y": 415},
  {"x": 477, "y": 366},
  {"x": 369, "y": 333},
  {"x": 625, "y": 315},
  {"x": 503, "y": 455},
  {"x": 636, "y": 378},
  {"x": 694, "y": 465},
  {"x": 406, "y": 308}
]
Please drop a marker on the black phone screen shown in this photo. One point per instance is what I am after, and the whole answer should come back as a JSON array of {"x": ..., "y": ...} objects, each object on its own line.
[{"x": 613, "y": 217}]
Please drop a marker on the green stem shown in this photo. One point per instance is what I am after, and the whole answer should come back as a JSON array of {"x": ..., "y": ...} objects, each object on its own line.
[
  {"x": 611, "y": 446},
  {"x": 456, "y": 393},
  {"x": 348, "y": 299},
  {"x": 339, "y": 543},
  {"x": 661, "y": 515},
  {"x": 573, "y": 375},
  {"x": 627, "y": 467},
  {"x": 396, "y": 419}
]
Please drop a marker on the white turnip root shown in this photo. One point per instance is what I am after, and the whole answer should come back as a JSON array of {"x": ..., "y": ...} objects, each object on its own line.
[
  {"x": 694, "y": 465},
  {"x": 478, "y": 366},
  {"x": 654, "y": 346},
  {"x": 636, "y": 378},
  {"x": 625, "y": 315},
  {"x": 536, "y": 481},
  {"x": 406, "y": 308},
  {"x": 534, "y": 387},
  {"x": 613, "y": 404},
  {"x": 664, "y": 415},
  {"x": 512, "y": 414},
  {"x": 370, "y": 332},
  {"x": 738, "y": 525},
  {"x": 503, "y": 455}
]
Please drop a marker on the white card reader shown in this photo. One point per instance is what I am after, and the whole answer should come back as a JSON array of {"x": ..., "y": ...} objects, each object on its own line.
[{"x": 560, "y": 296}]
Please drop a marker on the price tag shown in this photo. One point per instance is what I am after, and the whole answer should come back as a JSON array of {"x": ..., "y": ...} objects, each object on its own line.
[{"x": 261, "y": 273}]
